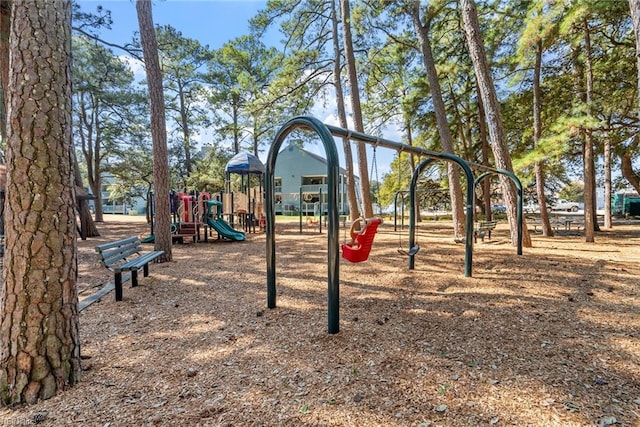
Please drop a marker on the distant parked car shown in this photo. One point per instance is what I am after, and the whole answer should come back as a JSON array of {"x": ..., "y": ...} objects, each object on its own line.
[{"x": 565, "y": 205}]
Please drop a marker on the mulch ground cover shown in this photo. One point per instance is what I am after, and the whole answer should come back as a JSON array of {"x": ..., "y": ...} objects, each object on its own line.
[{"x": 549, "y": 338}]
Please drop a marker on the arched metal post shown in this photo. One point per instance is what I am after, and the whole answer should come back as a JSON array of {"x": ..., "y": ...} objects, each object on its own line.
[
  {"x": 395, "y": 210},
  {"x": 333, "y": 168},
  {"x": 468, "y": 259},
  {"x": 519, "y": 196}
]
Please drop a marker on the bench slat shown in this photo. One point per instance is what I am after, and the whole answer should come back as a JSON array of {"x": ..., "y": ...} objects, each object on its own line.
[
  {"x": 139, "y": 262},
  {"x": 117, "y": 243},
  {"x": 109, "y": 259}
]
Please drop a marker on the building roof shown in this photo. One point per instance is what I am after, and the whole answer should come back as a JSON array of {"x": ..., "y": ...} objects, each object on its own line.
[{"x": 317, "y": 157}]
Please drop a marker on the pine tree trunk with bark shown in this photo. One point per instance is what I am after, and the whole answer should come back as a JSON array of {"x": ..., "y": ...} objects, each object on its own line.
[
  {"x": 590, "y": 218},
  {"x": 547, "y": 230},
  {"x": 363, "y": 167},
  {"x": 5, "y": 21},
  {"x": 163, "y": 239},
  {"x": 484, "y": 149},
  {"x": 493, "y": 117},
  {"x": 608, "y": 194},
  {"x": 87, "y": 224},
  {"x": 626, "y": 158},
  {"x": 453, "y": 171},
  {"x": 39, "y": 338},
  {"x": 342, "y": 115}
]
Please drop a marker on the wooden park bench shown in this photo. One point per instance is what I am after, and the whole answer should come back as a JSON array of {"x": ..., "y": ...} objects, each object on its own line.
[
  {"x": 126, "y": 256},
  {"x": 484, "y": 228}
]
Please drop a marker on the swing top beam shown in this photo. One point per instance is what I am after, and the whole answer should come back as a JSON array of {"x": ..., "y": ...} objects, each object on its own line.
[{"x": 387, "y": 143}]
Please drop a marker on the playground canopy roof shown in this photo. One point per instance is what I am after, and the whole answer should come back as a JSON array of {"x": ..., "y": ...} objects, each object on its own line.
[{"x": 244, "y": 164}]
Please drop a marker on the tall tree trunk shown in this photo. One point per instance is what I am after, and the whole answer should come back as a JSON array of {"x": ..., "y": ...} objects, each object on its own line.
[
  {"x": 626, "y": 164},
  {"x": 255, "y": 133},
  {"x": 90, "y": 144},
  {"x": 537, "y": 132},
  {"x": 342, "y": 115},
  {"x": 5, "y": 22},
  {"x": 236, "y": 130},
  {"x": 363, "y": 167},
  {"x": 634, "y": 6},
  {"x": 39, "y": 337},
  {"x": 607, "y": 184},
  {"x": 162, "y": 227},
  {"x": 86, "y": 220},
  {"x": 492, "y": 108},
  {"x": 626, "y": 157},
  {"x": 455, "y": 190},
  {"x": 590, "y": 218},
  {"x": 186, "y": 134},
  {"x": 482, "y": 130}
]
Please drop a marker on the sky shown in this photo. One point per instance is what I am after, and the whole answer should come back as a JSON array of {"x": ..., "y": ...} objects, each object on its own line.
[{"x": 213, "y": 23}]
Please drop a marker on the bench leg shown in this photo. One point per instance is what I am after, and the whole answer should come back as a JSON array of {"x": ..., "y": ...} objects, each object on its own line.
[
  {"x": 134, "y": 278},
  {"x": 145, "y": 270},
  {"x": 118, "y": 286}
]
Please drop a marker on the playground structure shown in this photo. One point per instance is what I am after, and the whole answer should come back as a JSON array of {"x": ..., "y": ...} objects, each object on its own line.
[
  {"x": 188, "y": 219},
  {"x": 246, "y": 207},
  {"x": 186, "y": 210},
  {"x": 193, "y": 213},
  {"x": 326, "y": 134},
  {"x": 193, "y": 218}
]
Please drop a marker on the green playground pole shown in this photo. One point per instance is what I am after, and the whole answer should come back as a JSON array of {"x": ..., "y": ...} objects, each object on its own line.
[
  {"x": 333, "y": 169},
  {"x": 468, "y": 259},
  {"x": 519, "y": 195}
]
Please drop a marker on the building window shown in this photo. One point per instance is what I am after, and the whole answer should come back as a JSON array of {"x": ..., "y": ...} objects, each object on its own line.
[{"x": 313, "y": 180}]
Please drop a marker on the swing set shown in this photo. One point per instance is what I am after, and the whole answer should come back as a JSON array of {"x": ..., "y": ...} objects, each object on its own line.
[{"x": 326, "y": 134}]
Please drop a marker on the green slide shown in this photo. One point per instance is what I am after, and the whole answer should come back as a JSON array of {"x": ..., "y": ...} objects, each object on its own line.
[{"x": 225, "y": 230}]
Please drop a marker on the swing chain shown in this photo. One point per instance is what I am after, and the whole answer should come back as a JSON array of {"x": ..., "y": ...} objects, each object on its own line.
[{"x": 374, "y": 167}]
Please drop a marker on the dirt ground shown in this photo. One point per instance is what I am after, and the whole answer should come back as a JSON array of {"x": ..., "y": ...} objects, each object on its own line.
[{"x": 549, "y": 338}]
